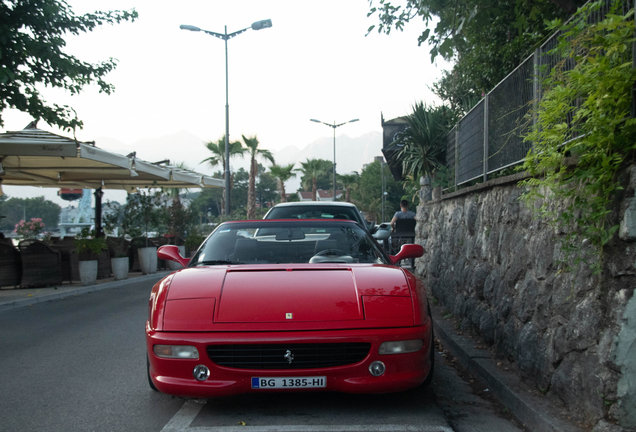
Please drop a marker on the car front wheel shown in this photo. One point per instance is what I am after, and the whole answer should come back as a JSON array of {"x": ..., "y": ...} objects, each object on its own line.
[{"x": 152, "y": 386}]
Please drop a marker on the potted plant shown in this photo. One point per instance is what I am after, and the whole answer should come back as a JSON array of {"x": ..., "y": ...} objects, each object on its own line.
[
  {"x": 88, "y": 246},
  {"x": 29, "y": 229},
  {"x": 179, "y": 218},
  {"x": 192, "y": 241},
  {"x": 143, "y": 212},
  {"x": 119, "y": 247}
]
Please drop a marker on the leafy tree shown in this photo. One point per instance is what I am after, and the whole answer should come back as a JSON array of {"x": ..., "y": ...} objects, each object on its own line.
[
  {"x": 241, "y": 186},
  {"x": 282, "y": 173},
  {"x": 143, "y": 210},
  {"x": 312, "y": 169},
  {"x": 181, "y": 221},
  {"x": 486, "y": 39},
  {"x": 457, "y": 90},
  {"x": 218, "y": 158},
  {"x": 324, "y": 180},
  {"x": 177, "y": 217},
  {"x": 421, "y": 147},
  {"x": 588, "y": 93},
  {"x": 15, "y": 210},
  {"x": 32, "y": 42},
  {"x": 254, "y": 153},
  {"x": 368, "y": 195},
  {"x": 265, "y": 190},
  {"x": 209, "y": 200},
  {"x": 348, "y": 182},
  {"x": 293, "y": 198}
]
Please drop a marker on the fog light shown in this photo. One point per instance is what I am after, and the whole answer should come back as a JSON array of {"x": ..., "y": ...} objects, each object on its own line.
[
  {"x": 176, "y": 351},
  {"x": 377, "y": 368},
  {"x": 401, "y": 347},
  {"x": 201, "y": 373}
]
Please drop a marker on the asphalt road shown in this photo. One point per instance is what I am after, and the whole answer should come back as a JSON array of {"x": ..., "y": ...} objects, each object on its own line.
[{"x": 78, "y": 364}]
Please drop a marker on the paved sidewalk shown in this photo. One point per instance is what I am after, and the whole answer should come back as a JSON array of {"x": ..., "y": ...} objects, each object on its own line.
[
  {"x": 11, "y": 298},
  {"x": 534, "y": 410}
]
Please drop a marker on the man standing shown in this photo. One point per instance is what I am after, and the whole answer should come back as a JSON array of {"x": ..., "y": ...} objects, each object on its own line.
[{"x": 404, "y": 213}]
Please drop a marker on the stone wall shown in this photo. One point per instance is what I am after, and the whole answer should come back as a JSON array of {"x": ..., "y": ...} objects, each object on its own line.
[{"x": 492, "y": 264}]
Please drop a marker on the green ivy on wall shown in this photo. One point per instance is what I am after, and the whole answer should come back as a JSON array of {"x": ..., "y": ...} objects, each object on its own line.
[{"x": 590, "y": 99}]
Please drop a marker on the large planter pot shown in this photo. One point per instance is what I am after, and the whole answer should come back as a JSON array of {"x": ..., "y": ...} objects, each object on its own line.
[
  {"x": 120, "y": 267},
  {"x": 172, "y": 265},
  {"x": 148, "y": 259},
  {"x": 88, "y": 272}
]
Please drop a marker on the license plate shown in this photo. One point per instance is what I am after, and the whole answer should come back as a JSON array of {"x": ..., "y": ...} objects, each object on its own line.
[{"x": 288, "y": 383}]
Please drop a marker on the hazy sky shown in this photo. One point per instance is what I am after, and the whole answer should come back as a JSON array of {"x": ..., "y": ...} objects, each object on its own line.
[{"x": 315, "y": 62}]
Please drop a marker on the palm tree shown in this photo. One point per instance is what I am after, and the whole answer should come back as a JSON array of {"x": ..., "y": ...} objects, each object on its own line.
[
  {"x": 218, "y": 158},
  {"x": 421, "y": 147},
  {"x": 178, "y": 215},
  {"x": 254, "y": 152},
  {"x": 348, "y": 181},
  {"x": 282, "y": 173},
  {"x": 312, "y": 169}
]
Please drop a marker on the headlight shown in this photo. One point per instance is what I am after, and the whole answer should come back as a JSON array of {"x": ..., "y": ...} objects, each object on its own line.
[
  {"x": 401, "y": 347},
  {"x": 176, "y": 351}
]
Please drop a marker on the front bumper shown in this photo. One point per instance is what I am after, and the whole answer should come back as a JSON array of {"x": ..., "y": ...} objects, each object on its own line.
[{"x": 403, "y": 371}]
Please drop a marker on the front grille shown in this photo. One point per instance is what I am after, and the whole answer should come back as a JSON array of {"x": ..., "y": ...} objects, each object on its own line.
[{"x": 272, "y": 356}]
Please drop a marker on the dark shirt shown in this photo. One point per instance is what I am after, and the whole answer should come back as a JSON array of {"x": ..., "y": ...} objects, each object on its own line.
[{"x": 404, "y": 215}]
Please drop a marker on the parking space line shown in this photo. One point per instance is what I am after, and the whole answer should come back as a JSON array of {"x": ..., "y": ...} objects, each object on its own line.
[
  {"x": 182, "y": 420},
  {"x": 183, "y": 417}
]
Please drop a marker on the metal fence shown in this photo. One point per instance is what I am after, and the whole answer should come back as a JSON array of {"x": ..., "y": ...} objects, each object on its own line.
[{"x": 490, "y": 137}]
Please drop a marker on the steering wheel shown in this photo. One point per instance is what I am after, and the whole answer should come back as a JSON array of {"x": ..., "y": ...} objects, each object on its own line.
[{"x": 331, "y": 255}]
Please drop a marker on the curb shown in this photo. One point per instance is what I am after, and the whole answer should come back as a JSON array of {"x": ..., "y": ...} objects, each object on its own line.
[
  {"x": 536, "y": 413},
  {"x": 15, "y": 304}
]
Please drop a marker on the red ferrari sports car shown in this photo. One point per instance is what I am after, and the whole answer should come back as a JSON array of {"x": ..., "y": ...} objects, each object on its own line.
[{"x": 288, "y": 305}]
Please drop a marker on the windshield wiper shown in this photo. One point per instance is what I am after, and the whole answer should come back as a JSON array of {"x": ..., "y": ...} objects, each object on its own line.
[{"x": 217, "y": 262}]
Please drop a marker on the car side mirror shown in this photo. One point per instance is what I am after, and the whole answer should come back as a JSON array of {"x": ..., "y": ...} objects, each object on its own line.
[
  {"x": 371, "y": 226},
  {"x": 171, "y": 252},
  {"x": 407, "y": 251}
]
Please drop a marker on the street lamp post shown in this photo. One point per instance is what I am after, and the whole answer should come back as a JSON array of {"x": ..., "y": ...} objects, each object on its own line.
[
  {"x": 258, "y": 25},
  {"x": 334, "y": 126}
]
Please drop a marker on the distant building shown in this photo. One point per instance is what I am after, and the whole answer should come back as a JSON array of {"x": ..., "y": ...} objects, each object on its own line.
[
  {"x": 327, "y": 195},
  {"x": 321, "y": 195},
  {"x": 389, "y": 129},
  {"x": 304, "y": 196},
  {"x": 377, "y": 158}
]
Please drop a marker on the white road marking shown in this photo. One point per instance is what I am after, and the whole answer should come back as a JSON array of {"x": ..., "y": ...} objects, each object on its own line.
[
  {"x": 184, "y": 417},
  {"x": 182, "y": 420}
]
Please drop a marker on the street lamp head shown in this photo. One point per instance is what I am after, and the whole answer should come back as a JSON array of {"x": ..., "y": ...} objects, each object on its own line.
[
  {"x": 258, "y": 25},
  {"x": 189, "y": 27}
]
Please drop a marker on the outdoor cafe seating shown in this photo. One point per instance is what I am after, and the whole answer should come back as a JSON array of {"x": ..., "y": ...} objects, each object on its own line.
[
  {"x": 41, "y": 265},
  {"x": 10, "y": 265},
  {"x": 403, "y": 233}
]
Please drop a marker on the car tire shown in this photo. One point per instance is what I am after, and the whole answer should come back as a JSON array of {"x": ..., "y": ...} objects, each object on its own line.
[
  {"x": 152, "y": 386},
  {"x": 429, "y": 377}
]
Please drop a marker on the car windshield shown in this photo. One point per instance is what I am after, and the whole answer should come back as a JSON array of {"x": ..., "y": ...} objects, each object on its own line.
[
  {"x": 285, "y": 242},
  {"x": 314, "y": 212}
]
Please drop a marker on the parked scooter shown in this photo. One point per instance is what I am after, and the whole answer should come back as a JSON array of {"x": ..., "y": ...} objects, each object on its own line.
[{"x": 382, "y": 234}]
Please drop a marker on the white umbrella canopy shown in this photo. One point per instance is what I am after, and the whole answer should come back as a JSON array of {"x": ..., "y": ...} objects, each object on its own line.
[{"x": 33, "y": 157}]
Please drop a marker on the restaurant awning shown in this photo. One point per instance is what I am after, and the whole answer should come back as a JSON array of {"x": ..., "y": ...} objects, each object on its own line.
[{"x": 33, "y": 157}]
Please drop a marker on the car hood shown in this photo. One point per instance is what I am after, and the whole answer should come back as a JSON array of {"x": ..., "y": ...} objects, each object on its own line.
[{"x": 288, "y": 297}]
